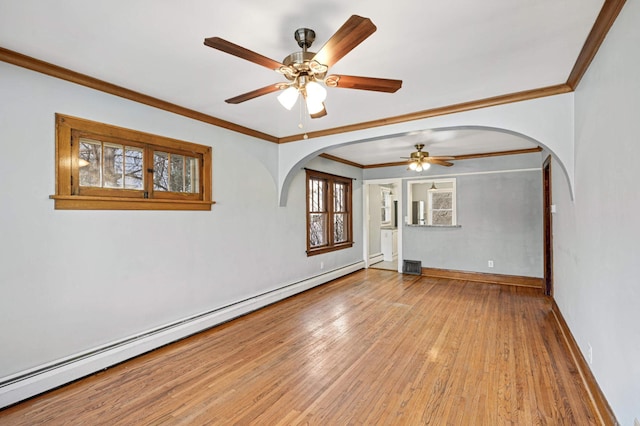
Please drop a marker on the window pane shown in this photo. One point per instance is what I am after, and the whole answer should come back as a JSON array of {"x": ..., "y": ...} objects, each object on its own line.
[
  {"x": 441, "y": 200},
  {"x": 339, "y": 197},
  {"x": 133, "y": 176},
  {"x": 316, "y": 195},
  {"x": 317, "y": 229},
  {"x": 442, "y": 217},
  {"x": 160, "y": 171},
  {"x": 176, "y": 183},
  {"x": 90, "y": 165},
  {"x": 191, "y": 175},
  {"x": 340, "y": 228},
  {"x": 112, "y": 166}
]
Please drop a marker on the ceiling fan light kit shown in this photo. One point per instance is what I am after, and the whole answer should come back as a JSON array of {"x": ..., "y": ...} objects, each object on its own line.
[
  {"x": 307, "y": 70},
  {"x": 420, "y": 160},
  {"x": 419, "y": 166},
  {"x": 288, "y": 97}
]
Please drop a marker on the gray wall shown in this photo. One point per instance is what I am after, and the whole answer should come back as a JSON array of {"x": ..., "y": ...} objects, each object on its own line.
[
  {"x": 500, "y": 219},
  {"x": 596, "y": 237},
  {"x": 499, "y": 210}
]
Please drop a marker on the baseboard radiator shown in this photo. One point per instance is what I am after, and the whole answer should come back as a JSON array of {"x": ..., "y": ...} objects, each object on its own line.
[{"x": 26, "y": 384}]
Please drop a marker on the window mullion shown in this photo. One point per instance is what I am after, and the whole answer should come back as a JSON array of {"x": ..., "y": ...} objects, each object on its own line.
[
  {"x": 330, "y": 212},
  {"x": 147, "y": 164},
  {"x": 184, "y": 173},
  {"x": 75, "y": 169}
]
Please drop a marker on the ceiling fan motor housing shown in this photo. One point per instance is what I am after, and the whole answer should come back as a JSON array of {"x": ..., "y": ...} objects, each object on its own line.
[{"x": 300, "y": 63}]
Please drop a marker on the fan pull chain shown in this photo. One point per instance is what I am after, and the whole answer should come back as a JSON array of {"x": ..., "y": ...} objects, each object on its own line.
[
  {"x": 302, "y": 114},
  {"x": 300, "y": 126}
]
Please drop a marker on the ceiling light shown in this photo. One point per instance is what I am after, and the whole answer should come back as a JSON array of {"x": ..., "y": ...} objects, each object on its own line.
[
  {"x": 316, "y": 94},
  {"x": 420, "y": 160},
  {"x": 312, "y": 91},
  {"x": 288, "y": 97},
  {"x": 314, "y": 107}
]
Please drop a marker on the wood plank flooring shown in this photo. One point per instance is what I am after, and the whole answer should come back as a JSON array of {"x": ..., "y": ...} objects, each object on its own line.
[{"x": 375, "y": 347}]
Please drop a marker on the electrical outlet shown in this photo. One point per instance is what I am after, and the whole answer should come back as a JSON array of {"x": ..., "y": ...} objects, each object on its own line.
[
  {"x": 590, "y": 354},
  {"x": 490, "y": 264},
  {"x": 321, "y": 265}
]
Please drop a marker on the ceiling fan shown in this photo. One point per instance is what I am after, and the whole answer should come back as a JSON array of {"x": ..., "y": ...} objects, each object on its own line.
[
  {"x": 420, "y": 160},
  {"x": 305, "y": 70}
]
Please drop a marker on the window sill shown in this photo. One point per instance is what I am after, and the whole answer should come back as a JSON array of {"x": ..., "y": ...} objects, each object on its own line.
[
  {"x": 321, "y": 250},
  {"x": 79, "y": 202},
  {"x": 432, "y": 226}
]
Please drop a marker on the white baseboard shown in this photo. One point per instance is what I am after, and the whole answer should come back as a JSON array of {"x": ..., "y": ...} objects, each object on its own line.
[
  {"x": 29, "y": 383},
  {"x": 375, "y": 258}
]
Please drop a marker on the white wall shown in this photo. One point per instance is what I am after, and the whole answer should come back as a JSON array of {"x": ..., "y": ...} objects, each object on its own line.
[
  {"x": 547, "y": 121},
  {"x": 73, "y": 281},
  {"x": 597, "y": 238}
]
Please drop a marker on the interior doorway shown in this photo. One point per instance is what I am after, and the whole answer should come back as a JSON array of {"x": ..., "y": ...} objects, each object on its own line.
[
  {"x": 382, "y": 224},
  {"x": 548, "y": 227}
]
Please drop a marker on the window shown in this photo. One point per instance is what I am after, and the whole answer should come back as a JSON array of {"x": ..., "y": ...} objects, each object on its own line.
[
  {"x": 432, "y": 202},
  {"x": 99, "y": 166},
  {"x": 328, "y": 213},
  {"x": 385, "y": 217},
  {"x": 440, "y": 206}
]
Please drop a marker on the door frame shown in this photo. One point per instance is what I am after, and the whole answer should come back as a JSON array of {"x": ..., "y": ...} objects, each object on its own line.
[
  {"x": 547, "y": 226},
  {"x": 365, "y": 215}
]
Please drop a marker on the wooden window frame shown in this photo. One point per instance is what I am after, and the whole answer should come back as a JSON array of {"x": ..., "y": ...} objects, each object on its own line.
[
  {"x": 68, "y": 195},
  {"x": 386, "y": 203},
  {"x": 329, "y": 180}
]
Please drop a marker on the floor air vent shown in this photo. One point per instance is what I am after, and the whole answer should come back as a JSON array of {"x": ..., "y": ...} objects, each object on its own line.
[{"x": 413, "y": 267}]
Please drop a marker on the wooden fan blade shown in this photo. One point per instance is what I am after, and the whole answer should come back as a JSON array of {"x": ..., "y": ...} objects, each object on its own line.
[
  {"x": 439, "y": 162},
  {"x": 443, "y": 158},
  {"x": 241, "y": 52},
  {"x": 349, "y": 35},
  {"x": 322, "y": 113},
  {"x": 253, "y": 94},
  {"x": 363, "y": 83}
]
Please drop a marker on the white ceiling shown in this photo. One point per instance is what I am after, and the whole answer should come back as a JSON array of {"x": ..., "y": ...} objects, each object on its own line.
[
  {"x": 447, "y": 142},
  {"x": 446, "y": 52}
]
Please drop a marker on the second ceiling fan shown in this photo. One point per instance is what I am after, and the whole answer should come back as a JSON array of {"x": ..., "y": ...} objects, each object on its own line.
[
  {"x": 306, "y": 71},
  {"x": 421, "y": 160}
]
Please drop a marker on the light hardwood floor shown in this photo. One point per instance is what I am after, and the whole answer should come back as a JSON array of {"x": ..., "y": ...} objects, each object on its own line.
[{"x": 375, "y": 347}]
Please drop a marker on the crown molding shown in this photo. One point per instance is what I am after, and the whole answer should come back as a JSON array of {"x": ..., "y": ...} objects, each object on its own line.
[
  {"x": 434, "y": 112},
  {"x": 455, "y": 158},
  {"x": 341, "y": 160},
  {"x": 599, "y": 31},
  {"x": 52, "y": 70},
  {"x": 604, "y": 21}
]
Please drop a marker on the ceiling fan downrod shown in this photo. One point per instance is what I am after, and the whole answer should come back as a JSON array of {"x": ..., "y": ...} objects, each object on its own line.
[{"x": 304, "y": 37}]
